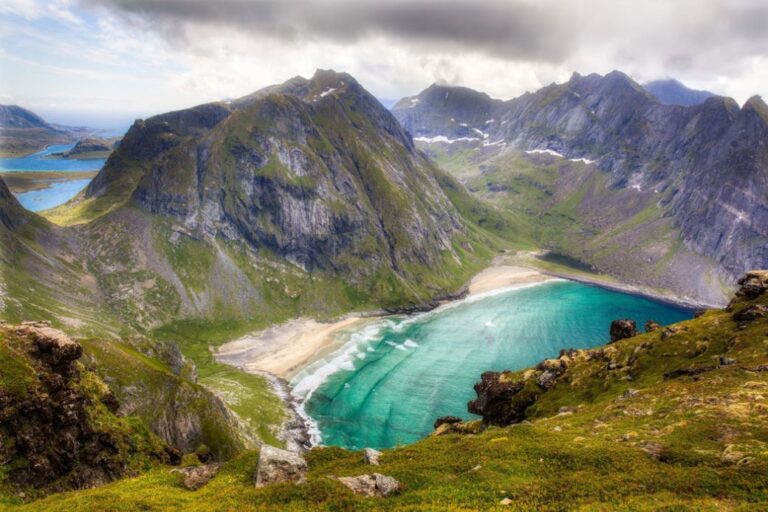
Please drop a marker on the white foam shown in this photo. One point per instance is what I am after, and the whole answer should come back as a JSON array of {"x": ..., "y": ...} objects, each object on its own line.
[
  {"x": 311, "y": 378},
  {"x": 489, "y": 323}
]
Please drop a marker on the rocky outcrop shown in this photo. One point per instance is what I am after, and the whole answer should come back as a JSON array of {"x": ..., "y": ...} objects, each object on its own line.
[
  {"x": 57, "y": 421},
  {"x": 702, "y": 166},
  {"x": 371, "y": 456},
  {"x": 195, "y": 477},
  {"x": 277, "y": 466},
  {"x": 371, "y": 485},
  {"x": 501, "y": 401},
  {"x": 753, "y": 284},
  {"x": 622, "y": 329}
]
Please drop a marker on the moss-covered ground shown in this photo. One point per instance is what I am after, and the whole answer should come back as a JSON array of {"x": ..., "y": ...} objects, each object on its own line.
[{"x": 619, "y": 431}]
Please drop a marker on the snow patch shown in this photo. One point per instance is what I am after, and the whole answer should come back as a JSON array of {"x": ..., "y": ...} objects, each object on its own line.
[
  {"x": 544, "y": 152},
  {"x": 327, "y": 92},
  {"x": 444, "y": 139},
  {"x": 414, "y": 101},
  {"x": 583, "y": 160}
]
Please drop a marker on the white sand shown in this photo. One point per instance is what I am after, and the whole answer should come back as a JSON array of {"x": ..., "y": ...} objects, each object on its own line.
[
  {"x": 503, "y": 276},
  {"x": 285, "y": 349}
]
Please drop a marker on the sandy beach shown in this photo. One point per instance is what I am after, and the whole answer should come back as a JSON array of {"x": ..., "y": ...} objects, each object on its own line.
[
  {"x": 285, "y": 349},
  {"x": 503, "y": 276}
]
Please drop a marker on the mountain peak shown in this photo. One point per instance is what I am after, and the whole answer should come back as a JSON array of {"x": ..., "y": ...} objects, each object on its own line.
[
  {"x": 757, "y": 104},
  {"x": 672, "y": 92}
]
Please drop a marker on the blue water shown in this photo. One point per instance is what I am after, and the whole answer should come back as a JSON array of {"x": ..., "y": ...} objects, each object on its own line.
[
  {"x": 57, "y": 193},
  {"x": 395, "y": 376},
  {"x": 41, "y": 161}
]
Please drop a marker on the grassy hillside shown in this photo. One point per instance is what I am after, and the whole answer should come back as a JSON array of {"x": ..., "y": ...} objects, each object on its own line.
[{"x": 674, "y": 419}]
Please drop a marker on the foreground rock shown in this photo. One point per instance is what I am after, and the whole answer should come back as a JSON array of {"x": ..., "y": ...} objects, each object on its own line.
[
  {"x": 196, "y": 477},
  {"x": 622, "y": 329},
  {"x": 375, "y": 484},
  {"x": 277, "y": 466},
  {"x": 371, "y": 456},
  {"x": 58, "y": 430},
  {"x": 753, "y": 284}
]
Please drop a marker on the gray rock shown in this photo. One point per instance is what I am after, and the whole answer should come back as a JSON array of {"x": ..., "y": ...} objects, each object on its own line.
[
  {"x": 276, "y": 466},
  {"x": 196, "y": 477},
  {"x": 622, "y": 329},
  {"x": 375, "y": 484},
  {"x": 371, "y": 456}
]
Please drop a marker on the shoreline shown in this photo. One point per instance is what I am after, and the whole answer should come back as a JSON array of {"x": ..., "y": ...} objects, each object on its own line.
[{"x": 284, "y": 350}]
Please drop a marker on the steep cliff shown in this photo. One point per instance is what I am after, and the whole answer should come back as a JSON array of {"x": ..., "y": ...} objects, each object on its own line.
[{"x": 632, "y": 173}]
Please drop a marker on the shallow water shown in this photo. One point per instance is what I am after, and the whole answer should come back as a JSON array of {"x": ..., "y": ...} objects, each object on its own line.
[
  {"x": 57, "y": 193},
  {"x": 394, "y": 377},
  {"x": 41, "y": 161}
]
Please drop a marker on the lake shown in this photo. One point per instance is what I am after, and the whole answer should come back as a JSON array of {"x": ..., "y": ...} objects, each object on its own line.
[
  {"x": 58, "y": 192},
  {"x": 394, "y": 376}
]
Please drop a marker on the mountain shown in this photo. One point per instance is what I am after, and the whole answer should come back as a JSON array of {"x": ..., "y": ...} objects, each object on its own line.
[
  {"x": 598, "y": 169},
  {"x": 305, "y": 198},
  {"x": 672, "y": 92},
  {"x": 673, "y": 418},
  {"x": 23, "y": 132}
]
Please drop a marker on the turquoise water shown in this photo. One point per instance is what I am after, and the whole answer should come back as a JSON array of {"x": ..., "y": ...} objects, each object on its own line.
[
  {"x": 57, "y": 193},
  {"x": 394, "y": 377},
  {"x": 41, "y": 161}
]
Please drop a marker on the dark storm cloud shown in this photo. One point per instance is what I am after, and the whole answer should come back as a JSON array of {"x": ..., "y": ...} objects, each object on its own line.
[{"x": 517, "y": 29}]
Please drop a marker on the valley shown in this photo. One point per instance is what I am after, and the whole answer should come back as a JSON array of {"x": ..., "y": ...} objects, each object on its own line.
[{"x": 381, "y": 263}]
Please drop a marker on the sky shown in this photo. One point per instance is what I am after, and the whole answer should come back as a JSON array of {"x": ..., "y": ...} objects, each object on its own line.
[{"x": 107, "y": 62}]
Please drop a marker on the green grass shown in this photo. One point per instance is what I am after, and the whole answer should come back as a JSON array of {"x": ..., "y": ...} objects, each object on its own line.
[{"x": 677, "y": 444}]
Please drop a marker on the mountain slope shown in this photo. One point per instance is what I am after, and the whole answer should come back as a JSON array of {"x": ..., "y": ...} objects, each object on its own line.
[
  {"x": 624, "y": 172},
  {"x": 670, "y": 419},
  {"x": 313, "y": 174},
  {"x": 306, "y": 198},
  {"x": 672, "y": 92},
  {"x": 23, "y": 132}
]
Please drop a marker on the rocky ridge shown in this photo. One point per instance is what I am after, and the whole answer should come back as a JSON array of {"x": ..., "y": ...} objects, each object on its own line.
[{"x": 621, "y": 153}]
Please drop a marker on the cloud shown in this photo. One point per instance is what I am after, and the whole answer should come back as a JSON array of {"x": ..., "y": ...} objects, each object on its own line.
[{"x": 191, "y": 51}]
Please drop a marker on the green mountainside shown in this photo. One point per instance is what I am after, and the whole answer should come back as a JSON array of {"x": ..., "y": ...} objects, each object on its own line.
[{"x": 673, "y": 419}]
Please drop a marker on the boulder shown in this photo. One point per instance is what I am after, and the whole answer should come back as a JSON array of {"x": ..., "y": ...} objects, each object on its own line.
[
  {"x": 751, "y": 313},
  {"x": 197, "y": 476},
  {"x": 652, "y": 325},
  {"x": 375, "y": 484},
  {"x": 753, "y": 284},
  {"x": 277, "y": 465},
  {"x": 371, "y": 456},
  {"x": 446, "y": 420},
  {"x": 622, "y": 329},
  {"x": 500, "y": 400}
]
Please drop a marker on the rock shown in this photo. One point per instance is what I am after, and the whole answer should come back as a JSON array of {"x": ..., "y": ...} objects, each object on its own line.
[
  {"x": 753, "y": 284},
  {"x": 654, "y": 450},
  {"x": 689, "y": 371},
  {"x": 276, "y": 466},
  {"x": 751, "y": 313},
  {"x": 668, "y": 332},
  {"x": 197, "y": 476},
  {"x": 551, "y": 369},
  {"x": 443, "y": 420},
  {"x": 372, "y": 485},
  {"x": 371, "y": 456},
  {"x": 628, "y": 394},
  {"x": 505, "y": 502},
  {"x": 501, "y": 401},
  {"x": 731, "y": 455},
  {"x": 651, "y": 326},
  {"x": 622, "y": 329},
  {"x": 726, "y": 361}
]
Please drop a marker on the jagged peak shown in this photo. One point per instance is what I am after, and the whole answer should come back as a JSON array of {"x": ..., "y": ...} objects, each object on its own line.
[{"x": 757, "y": 104}]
